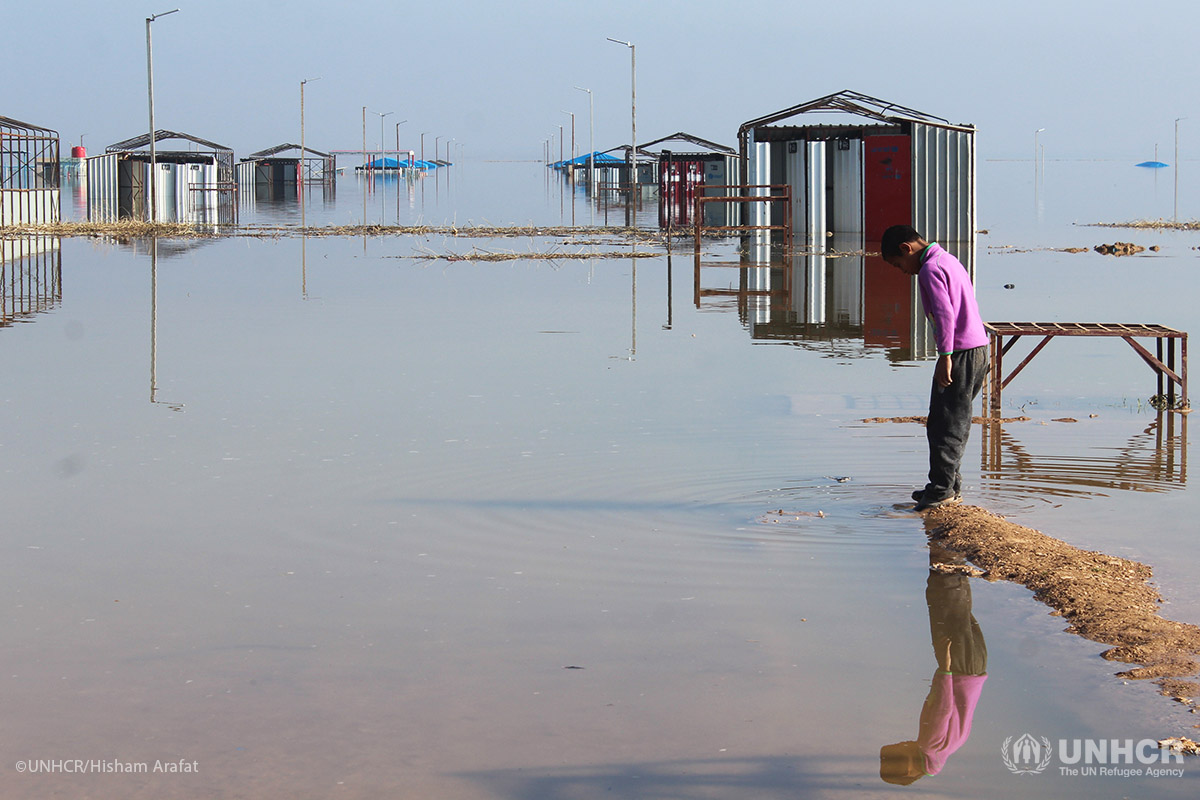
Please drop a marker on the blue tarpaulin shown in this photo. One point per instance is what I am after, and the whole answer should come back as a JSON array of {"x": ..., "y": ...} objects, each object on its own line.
[
  {"x": 603, "y": 159},
  {"x": 391, "y": 163},
  {"x": 1152, "y": 164}
]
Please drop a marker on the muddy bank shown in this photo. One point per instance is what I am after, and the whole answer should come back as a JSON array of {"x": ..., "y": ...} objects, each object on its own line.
[{"x": 1104, "y": 598}]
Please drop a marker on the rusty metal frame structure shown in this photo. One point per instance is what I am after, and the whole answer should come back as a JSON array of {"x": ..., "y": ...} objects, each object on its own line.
[
  {"x": 1166, "y": 371},
  {"x": 784, "y": 196},
  {"x": 29, "y": 162},
  {"x": 743, "y": 293}
]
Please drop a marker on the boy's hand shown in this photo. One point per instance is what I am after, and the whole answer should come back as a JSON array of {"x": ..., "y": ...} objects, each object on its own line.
[{"x": 941, "y": 372}]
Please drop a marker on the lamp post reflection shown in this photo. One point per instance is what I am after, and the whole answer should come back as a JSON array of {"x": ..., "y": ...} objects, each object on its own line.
[{"x": 154, "y": 330}]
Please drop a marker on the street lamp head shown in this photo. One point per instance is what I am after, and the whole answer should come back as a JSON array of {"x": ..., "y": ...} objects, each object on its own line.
[
  {"x": 618, "y": 41},
  {"x": 153, "y": 17}
]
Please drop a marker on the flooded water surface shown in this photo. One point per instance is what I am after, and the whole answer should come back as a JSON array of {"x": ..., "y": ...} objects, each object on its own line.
[{"x": 322, "y": 518}]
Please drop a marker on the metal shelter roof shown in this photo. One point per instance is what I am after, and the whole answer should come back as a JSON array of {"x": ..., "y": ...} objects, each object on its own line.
[
  {"x": 283, "y": 148},
  {"x": 687, "y": 137},
  {"x": 143, "y": 140},
  {"x": 8, "y": 122},
  {"x": 856, "y": 104}
]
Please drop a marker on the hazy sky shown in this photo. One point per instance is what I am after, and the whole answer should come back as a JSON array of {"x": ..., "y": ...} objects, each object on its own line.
[{"x": 1106, "y": 79}]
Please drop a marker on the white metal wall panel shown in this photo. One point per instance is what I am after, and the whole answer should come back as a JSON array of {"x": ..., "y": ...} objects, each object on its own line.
[
  {"x": 815, "y": 196},
  {"x": 796, "y": 179},
  {"x": 28, "y": 206},
  {"x": 943, "y": 183},
  {"x": 846, "y": 179},
  {"x": 102, "y": 187},
  {"x": 944, "y": 189},
  {"x": 760, "y": 175}
]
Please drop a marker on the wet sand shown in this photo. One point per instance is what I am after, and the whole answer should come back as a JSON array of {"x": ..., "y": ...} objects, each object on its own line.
[{"x": 1103, "y": 598}]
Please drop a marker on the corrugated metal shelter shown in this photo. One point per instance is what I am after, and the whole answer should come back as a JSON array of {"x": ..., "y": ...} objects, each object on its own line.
[
  {"x": 857, "y": 178},
  {"x": 192, "y": 185},
  {"x": 29, "y": 173},
  {"x": 685, "y": 164},
  {"x": 274, "y": 173}
]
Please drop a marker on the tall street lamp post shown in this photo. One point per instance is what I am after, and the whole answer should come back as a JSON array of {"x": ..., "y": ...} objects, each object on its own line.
[
  {"x": 633, "y": 128},
  {"x": 591, "y": 153},
  {"x": 303, "y": 221},
  {"x": 150, "y": 92}
]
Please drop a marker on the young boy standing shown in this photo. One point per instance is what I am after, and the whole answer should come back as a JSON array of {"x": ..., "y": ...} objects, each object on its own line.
[{"x": 948, "y": 299}]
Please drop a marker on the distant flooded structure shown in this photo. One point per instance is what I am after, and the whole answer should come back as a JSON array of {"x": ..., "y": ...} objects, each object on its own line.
[
  {"x": 853, "y": 179},
  {"x": 193, "y": 185},
  {"x": 277, "y": 172},
  {"x": 29, "y": 173},
  {"x": 685, "y": 164}
]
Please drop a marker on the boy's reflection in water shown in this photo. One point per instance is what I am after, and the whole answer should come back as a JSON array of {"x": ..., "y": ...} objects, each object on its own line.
[{"x": 961, "y": 671}]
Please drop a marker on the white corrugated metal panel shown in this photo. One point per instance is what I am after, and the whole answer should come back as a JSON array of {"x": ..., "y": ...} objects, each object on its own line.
[
  {"x": 245, "y": 174},
  {"x": 102, "y": 187},
  {"x": 26, "y": 206},
  {"x": 760, "y": 175},
  {"x": 846, "y": 178},
  {"x": 796, "y": 172},
  {"x": 943, "y": 183},
  {"x": 815, "y": 196}
]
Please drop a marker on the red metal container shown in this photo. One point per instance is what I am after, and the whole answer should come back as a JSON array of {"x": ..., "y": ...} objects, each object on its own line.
[{"x": 78, "y": 152}]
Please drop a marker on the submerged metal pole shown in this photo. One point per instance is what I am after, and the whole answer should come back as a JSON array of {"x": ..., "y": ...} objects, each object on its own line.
[
  {"x": 302, "y": 161},
  {"x": 150, "y": 92},
  {"x": 633, "y": 178},
  {"x": 591, "y": 176},
  {"x": 1176, "y": 216}
]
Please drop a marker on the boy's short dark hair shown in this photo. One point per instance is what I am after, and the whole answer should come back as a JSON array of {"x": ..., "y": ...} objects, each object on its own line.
[{"x": 895, "y": 236}]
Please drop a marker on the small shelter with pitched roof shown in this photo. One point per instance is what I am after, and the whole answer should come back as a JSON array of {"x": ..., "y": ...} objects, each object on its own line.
[
  {"x": 191, "y": 185},
  {"x": 877, "y": 165},
  {"x": 685, "y": 163},
  {"x": 274, "y": 173}
]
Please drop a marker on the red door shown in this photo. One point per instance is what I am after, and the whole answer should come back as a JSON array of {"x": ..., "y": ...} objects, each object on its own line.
[{"x": 887, "y": 184}]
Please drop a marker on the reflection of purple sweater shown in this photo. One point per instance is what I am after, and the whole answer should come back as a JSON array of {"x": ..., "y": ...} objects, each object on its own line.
[
  {"x": 949, "y": 301},
  {"x": 946, "y": 717}
]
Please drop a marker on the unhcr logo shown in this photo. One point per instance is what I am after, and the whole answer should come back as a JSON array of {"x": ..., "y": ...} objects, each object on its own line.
[
  {"x": 1026, "y": 755},
  {"x": 1124, "y": 758}
]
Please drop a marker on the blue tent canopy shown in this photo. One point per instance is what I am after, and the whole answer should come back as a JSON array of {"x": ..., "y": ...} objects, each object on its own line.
[
  {"x": 603, "y": 159},
  {"x": 1152, "y": 164},
  {"x": 392, "y": 163}
]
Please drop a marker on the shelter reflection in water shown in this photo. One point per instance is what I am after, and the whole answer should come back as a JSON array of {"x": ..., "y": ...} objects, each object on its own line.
[
  {"x": 30, "y": 277},
  {"x": 1153, "y": 460},
  {"x": 842, "y": 298}
]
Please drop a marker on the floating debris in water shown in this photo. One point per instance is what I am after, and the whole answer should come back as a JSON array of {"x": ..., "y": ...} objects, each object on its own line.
[
  {"x": 1119, "y": 249},
  {"x": 1180, "y": 744}
]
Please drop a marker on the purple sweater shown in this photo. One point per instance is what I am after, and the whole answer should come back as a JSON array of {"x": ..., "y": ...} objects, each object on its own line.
[
  {"x": 946, "y": 717},
  {"x": 949, "y": 302}
]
